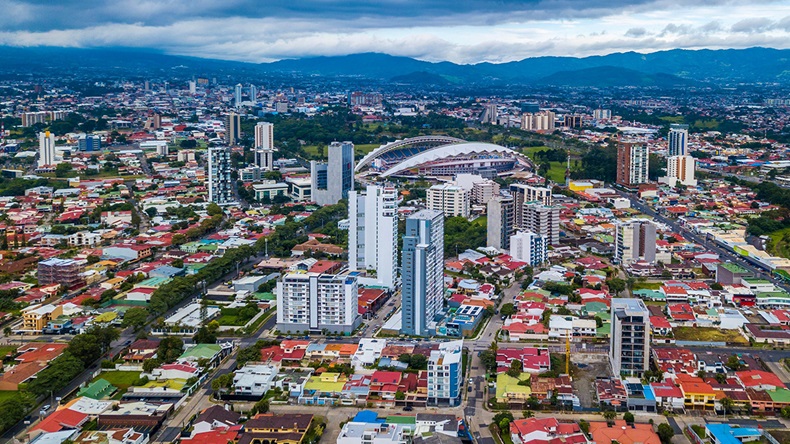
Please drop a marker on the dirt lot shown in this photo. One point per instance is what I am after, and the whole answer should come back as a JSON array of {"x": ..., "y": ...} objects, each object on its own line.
[{"x": 588, "y": 367}]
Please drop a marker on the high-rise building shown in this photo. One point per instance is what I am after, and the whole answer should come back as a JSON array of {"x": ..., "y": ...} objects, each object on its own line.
[
  {"x": 680, "y": 170},
  {"x": 529, "y": 247},
  {"x": 483, "y": 191},
  {"x": 192, "y": 87},
  {"x": 220, "y": 185},
  {"x": 523, "y": 194},
  {"x": 253, "y": 93},
  {"x": 501, "y": 211},
  {"x": 264, "y": 145},
  {"x": 331, "y": 181},
  {"x": 678, "y": 140},
  {"x": 542, "y": 219},
  {"x": 237, "y": 95},
  {"x": 448, "y": 198},
  {"x": 373, "y": 233},
  {"x": 89, "y": 143},
  {"x": 573, "y": 120},
  {"x": 422, "y": 272},
  {"x": 629, "y": 346},
  {"x": 635, "y": 241},
  {"x": 232, "y": 128},
  {"x": 66, "y": 272},
  {"x": 444, "y": 374},
  {"x": 540, "y": 121},
  {"x": 46, "y": 149},
  {"x": 315, "y": 303},
  {"x": 602, "y": 114},
  {"x": 490, "y": 114},
  {"x": 632, "y": 164}
]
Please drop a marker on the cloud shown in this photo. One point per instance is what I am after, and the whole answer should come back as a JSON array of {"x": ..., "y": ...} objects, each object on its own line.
[
  {"x": 636, "y": 32},
  {"x": 752, "y": 25}
]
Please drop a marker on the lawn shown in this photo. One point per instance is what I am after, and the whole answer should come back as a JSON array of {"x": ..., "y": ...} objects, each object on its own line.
[
  {"x": 781, "y": 242},
  {"x": 530, "y": 151},
  {"x": 646, "y": 286},
  {"x": 122, "y": 380},
  {"x": 236, "y": 317},
  {"x": 5, "y": 350},
  {"x": 708, "y": 334}
]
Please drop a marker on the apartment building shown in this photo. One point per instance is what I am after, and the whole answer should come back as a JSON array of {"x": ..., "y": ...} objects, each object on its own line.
[
  {"x": 450, "y": 199},
  {"x": 317, "y": 302}
]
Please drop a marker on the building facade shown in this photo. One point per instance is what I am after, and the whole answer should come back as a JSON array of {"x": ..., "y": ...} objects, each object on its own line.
[
  {"x": 422, "y": 272},
  {"x": 632, "y": 164},
  {"x": 373, "y": 233},
  {"x": 89, "y": 143},
  {"x": 635, "y": 241},
  {"x": 317, "y": 302},
  {"x": 501, "y": 216},
  {"x": 678, "y": 140},
  {"x": 220, "y": 184},
  {"x": 46, "y": 149},
  {"x": 529, "y": 247},
  {"x": 65, "y": 272},
  {"x": 542, "y": 219},
  {"x": 450, "y": 199},
  {"x": 680, "y": 170},
  {"x": 629, "y": 347},
  {"x": 444, "y": 374},
  {"x": 523, "y": 194},
  {"x": 232, "y": 128},
  {"x": 483, "y": 191},
  {"x": 539, "y": 121},
  {"x": 264, "y": 145},
  {"x": 331, "y": 181}
]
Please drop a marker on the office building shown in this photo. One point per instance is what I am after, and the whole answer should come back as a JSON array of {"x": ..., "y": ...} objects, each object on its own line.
[
  {"x": 264, "y": 146},
  {"x": 542, "y": 219},
  {"x": 46, "y": 149},
  {"x": 602, "y": 114},
  {"x": 444, "y": 374},
  {"x": 316, "y": 303},
  {"x": 237, "y": 95},
  {"x": 490, "y": 114},
  {"x": 629, "y": 346},
  {"x": 422, "y": 272},
  {"x": 220, "y": 185},
  {"x": 359, "y": 98},
  {"x": 268, "y": 190},
  {"x": 253, "y": 93},
  {"x": 232, "y": 128},
  {"x": 331, "y": 181},
  {"x": 540, "y": 121},
  {"x": 483, "y": 191},
  {"x": 523, "y": 194},
  {"x": 529, "y": 247},
  {"x": 373, "y": 234},
  {"x": 635, "y": 241},
  {"x": 632, "y": 164},
  {"x": 680, "y": 170},
  {"x": 678, "y": 140},
  {"x": 66, "y": 272},
  {"x": 573, "y": 120},
  {"x": 448, "y": 198},
  {"x": 501, "y": 217},
  {"x": 250, "y": 174},
  {"x": 89, "y": 142}
]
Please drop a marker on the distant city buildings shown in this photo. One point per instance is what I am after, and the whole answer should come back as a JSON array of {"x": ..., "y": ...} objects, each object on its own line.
[
  {"x": 237, "y": 91},
  {"x": 317, "y": 303},
  {"x": 358, "y": 98},
  {"x": 373, "y": 234},
  {"x": 34, "y": 117},
  {"x": 501, "y": 217},
  {"x": 46, "y": 149},
  {"x": 220, "y": 184},
  {"x": 89, "y": 142},
  {"x": 632, "y": 164},
  {"x": 331, "y": 181},
  {"x": 602, "y": 114},
  {"x": 543, "y": 121},
  {"x": 422, "y": 272},
  {"x": 629, "y": 345},
  {"x": 529, "y": 247},
  {"x": 451, "y": 199},
  {"x": 635, "y": 241}
]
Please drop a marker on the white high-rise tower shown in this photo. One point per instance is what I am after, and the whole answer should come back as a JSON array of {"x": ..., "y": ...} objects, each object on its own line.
[
  {"x": 264, "y": 145},
  {"x": 46, "y": 149},
  {"x": 373, "y": 234}
]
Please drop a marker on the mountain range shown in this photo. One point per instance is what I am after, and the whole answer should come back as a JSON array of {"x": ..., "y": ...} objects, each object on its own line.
[{"x": 673, "y": 68}]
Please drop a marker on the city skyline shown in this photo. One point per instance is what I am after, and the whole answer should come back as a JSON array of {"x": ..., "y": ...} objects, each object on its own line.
[{"x": 466, "y": 32}]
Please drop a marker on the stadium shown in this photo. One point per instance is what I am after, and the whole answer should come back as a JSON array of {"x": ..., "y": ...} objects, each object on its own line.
[{"x": 434, "y": 156}]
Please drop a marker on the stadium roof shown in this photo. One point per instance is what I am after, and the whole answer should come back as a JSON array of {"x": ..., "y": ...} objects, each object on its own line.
[
  {"x": 421, "y": 143},
  {"x": 446, "y": 151}
]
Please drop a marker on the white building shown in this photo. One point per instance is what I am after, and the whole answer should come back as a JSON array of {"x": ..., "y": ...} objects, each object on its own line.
[
  {"x": 529, "y": 247},
  {"x": 539, "y": 121},
  {"x": 571, "y": 326},
  {"x": 264, "y": 145},
  {"x": 269, "y": 189},
  {"x": 629, "y": 346},
  {"x": 444, "y": 374},
  {"x": 315, "y": 302},
  {"x": 483, "y": 191},
  {"x": 331, "y": 181},
  {"x": 632, "y": 164},
  {"x": 542, "y": 219},
  {"x": 46, "y": 149},
  {"x": 450, "y": 199},
  {"x": 373, "y": 234},
  {"x": 524, "y": 194},
  {"x": 680, "y": 170},
  {"x": 635, "y": 241},
  {"x": 300, "y": 188},
  {"x": 220, "y": 184},
  {"x": 678, "y": 140},
  {"x": 255, "y": 379}
]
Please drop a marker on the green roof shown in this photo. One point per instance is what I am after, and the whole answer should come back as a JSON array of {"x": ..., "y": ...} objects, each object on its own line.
[
  {"x": 507, "y": 384},
  {"x": 772, "y": 294},
  {"x": 399, "y": 419},
  {"x": 734, "y": 268},
  {"x": 756, "y": 281},
  {"x": 604, "y": 331},
  {"x": 99, "y": 389},
  {"x": 265, "y": 296},
  {"x": 595, "y": 307},
  {"x": 154, "y": 282},
  {"x": 779, "y": 395},
  {"x": 650, "y": 294},
  {"x": 323, "y": 384},
  {"x": 201, "y": 351}
]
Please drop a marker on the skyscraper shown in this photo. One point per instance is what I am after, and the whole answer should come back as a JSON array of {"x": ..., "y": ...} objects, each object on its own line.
[
  {"x": 445, "y": 374},
  {"x": 529, "y": 247},
  {"x": 500, "y": 221},
  {"x": 315, "y": 302},
  {"x": 89, "y": 143},
  {"x": 635, "y": 241},
  {"x": 632, "y": 164},
  {"x": 253, "y": 93},
  {"x": 331, "y": 181},
  {"x": 192, "y": 87},
  {"x": 422, "y": 272},
  {"x": 678, "y": 140},
  {"x": 220, "y": 185},
  {"x": 237, "y": 95},
  {"x": 680, "y": 170},
  {"x": 46, "y": 149},
  {"x": 373, "y": 233},
  {"x": 232, "y": 128},
  {"x": 523, "y": 194},
  {"x": 542, "y": 219},
  {"x": 629, "y": 346},
  {"x": 264, "y": 145}
]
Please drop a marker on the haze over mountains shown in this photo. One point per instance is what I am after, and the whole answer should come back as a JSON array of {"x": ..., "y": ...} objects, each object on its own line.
[{"x": 663, "y": 69}]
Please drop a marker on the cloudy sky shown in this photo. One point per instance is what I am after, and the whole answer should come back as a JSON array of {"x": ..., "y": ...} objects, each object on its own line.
[{"x": 462, "y": 31}]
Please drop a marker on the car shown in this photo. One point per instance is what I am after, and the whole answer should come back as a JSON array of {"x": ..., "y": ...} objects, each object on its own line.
[
  {"x": 46, "y": 407},
  {"x": 28, "y": 420},
  {"x": 468, "y": 388},
  {"x": 408, "y": 408}
]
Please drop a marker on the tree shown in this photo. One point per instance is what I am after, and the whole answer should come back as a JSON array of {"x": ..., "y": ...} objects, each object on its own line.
[
  {"x": 150, "y": 364},
  {"x": 508, "y": 309},
  {"x": 63, "y": 169},
  {"x": 665, "y": 433},
  {"x": 515, "y": 368},
  {"x": 86, "y": 348},
  {"x": 400, "y": 396},
  {"x": 261, "y": 406},
  {"x": 178, "y": 263},
  {"x": 204, "y": 336},
  {"x": 92, "y": 259},
  {"x": 716, "y": 286},
  {"x": 609, "y": 415},
  {"x": 248, "y": 354},
  {"x": 136, "y": 318},
  {"x": 728, "y": 404},
  {"x": 170, "y": 348},
  {"x": 616, "y": 285},
  {"x": 628, "y": 417},
  {"x": 178, "y": 239},
  {"x": 734, "y": 363},
  {"x": 151, "y": 212},
  {"x": 214, "y": 210},
  {"x": 584, "y": 426},
  {"x": 785, "y": 412}
]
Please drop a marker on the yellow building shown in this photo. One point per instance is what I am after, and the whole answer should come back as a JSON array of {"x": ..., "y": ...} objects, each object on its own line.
[
  {"x": 286, "y": 428},
  {"x": 34, "y": 319},
  {"x": 508, "y": 388},
  {"x": 579, "y": 185}
]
